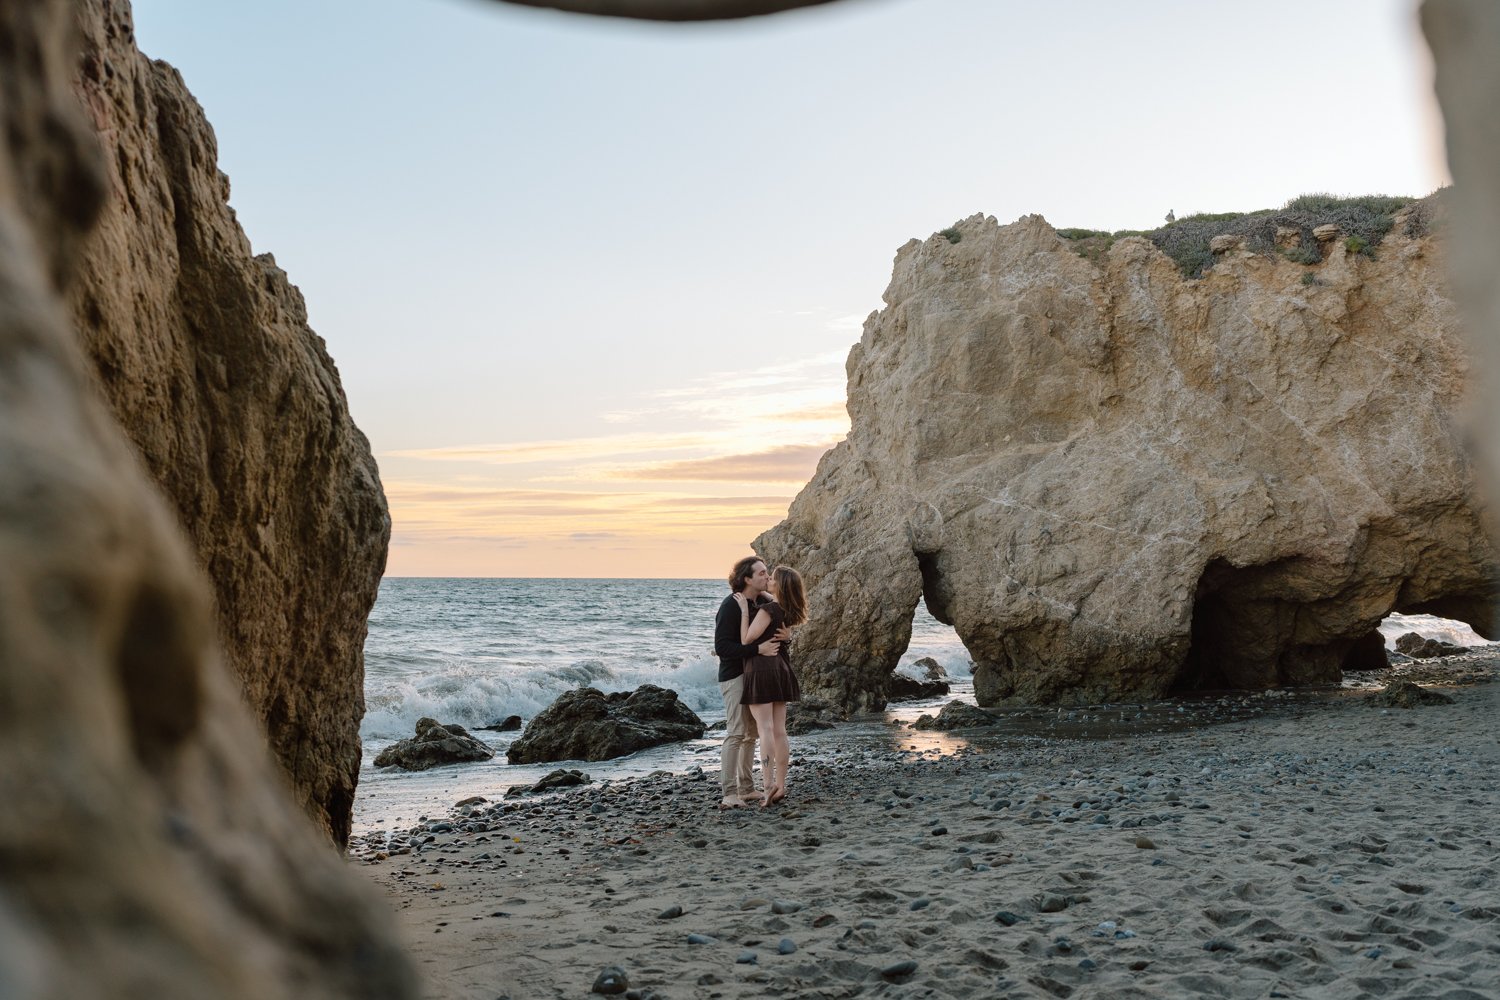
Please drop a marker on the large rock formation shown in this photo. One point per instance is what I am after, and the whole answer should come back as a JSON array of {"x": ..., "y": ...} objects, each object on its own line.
[
  {"x": 1115, "y": 482},
  {"x": 153, "y": 853},
  {"x": 204, "y": 353}
]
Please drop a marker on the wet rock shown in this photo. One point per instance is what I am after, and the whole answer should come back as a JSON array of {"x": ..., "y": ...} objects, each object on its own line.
[
  {"x": 904, "y": 688},
  {"x": 434, "y": 745},
  {"x": 931, "y": 669},
  {"x": 509, "y": 724},
  {"x": 809, "y": 716},
  {"x": 611, "y": 981},
  {"x": 1405, "y": 694},
  {"x": 586, "y": 724},
  {"x": 957, "y": 715}
]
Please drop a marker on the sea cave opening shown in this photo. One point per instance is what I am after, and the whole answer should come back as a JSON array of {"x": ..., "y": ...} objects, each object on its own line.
[{"x": 1238, "y": 612}]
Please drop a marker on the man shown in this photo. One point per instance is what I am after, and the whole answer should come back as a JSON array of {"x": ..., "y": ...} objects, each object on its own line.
[{"x": 737, "y": 759}]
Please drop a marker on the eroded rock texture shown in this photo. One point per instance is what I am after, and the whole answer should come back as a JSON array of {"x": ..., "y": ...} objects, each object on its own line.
[
  {"x": 204, "y": 353},
  {"x": 153, "y": 852},
  {"x": 1115, "y": 482}
]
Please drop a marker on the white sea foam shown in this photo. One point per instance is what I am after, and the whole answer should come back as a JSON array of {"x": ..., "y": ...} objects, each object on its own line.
[{"x": 1430, "y": 627}]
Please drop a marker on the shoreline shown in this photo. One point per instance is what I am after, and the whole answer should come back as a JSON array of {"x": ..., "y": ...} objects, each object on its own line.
[{"x": 1319, "y": 847}]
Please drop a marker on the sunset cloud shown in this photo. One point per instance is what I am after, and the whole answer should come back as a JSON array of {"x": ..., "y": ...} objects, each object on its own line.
[{"x": 786, "y": 464}]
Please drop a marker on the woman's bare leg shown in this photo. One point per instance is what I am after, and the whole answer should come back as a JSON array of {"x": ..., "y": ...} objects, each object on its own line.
[
  {"x": 763, "y": 718},
  {"x": 783, "y": 748}
]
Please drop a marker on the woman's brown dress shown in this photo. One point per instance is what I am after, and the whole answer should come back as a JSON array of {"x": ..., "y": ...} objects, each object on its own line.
[{"x": 769, "y": 678}]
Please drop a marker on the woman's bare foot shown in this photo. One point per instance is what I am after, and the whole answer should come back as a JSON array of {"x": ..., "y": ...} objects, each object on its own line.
[
  {"x": 773, "y": 796},
  {"x": 753, "y": 796}
]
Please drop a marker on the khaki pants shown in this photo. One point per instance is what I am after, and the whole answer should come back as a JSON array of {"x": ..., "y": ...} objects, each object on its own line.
[{"x": 737, "y": 759}]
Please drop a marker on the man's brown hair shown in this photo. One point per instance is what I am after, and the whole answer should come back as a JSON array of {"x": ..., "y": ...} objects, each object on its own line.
[{"x": 742, "y": 572}]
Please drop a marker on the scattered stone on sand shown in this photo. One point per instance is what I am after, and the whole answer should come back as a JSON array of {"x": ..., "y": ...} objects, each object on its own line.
[
  {"x": 1405, "y": 694},
  {"x": 552, "y": 782},
  {"x": 1327, "y": 831},
  {"x": 611, "y": 981},
  {"x": 587, "y": 724},
  {"x": 509, "y": 724},
  {"x": 957, "y": 715},
  {"x": 1420, "y": 648},
  {"x": 434, "y": 745}
]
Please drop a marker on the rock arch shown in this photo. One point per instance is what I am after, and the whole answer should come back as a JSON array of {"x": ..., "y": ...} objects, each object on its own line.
[{"x": 1114, "y": 482}]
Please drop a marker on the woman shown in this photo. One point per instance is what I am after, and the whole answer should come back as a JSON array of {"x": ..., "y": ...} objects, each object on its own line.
[{"x": 769, "y": 681}]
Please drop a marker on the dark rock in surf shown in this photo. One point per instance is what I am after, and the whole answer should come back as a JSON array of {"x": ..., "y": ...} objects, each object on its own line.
[
  {"x": 933, "y": 670},
  {"x": 904, "y": 688},
  {"x": 434, "y": 745},
  {"x": 587, "y": 724},
  {"x": 509, "y": 724},
  {"x": 1420, "y": 648}
]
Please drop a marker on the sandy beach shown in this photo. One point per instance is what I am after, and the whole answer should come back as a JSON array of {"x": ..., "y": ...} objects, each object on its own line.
[{"x": 1305, "y": 845}]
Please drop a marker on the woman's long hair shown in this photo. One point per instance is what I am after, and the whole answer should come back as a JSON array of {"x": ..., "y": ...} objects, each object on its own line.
[{"x": 789, "y": 594}]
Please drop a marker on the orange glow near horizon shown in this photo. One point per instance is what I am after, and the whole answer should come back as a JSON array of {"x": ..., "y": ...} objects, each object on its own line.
[{"x": 644, "y": 504}]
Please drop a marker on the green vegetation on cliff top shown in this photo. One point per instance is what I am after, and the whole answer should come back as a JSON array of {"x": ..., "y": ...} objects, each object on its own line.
[{"x": 1363, "y": 223}]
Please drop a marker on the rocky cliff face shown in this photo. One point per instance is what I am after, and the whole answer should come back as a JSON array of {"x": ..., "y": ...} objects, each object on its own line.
[
  {"x": 204, "y": 353},
  {"x": 147, "y": 846},
  {"x": 1115, "y": 482}
]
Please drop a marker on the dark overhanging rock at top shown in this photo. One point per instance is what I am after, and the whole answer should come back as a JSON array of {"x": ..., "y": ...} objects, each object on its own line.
[
  {"x": 1116, "y": 483},
  {"x": 673, "y": 10}
]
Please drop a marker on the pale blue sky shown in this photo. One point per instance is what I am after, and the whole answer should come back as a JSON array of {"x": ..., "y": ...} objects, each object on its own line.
[{"x": 515, "y": 226}]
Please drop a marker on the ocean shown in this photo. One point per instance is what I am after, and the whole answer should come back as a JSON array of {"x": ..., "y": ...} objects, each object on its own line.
[{"x": 473, "y": 651}]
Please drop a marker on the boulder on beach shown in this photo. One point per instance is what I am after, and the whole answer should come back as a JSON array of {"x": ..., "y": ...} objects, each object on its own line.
[
  {"x": 434, "y": 745},
  {"x": 1083, "y": 467},
  {"x": 587, "y": 724},
  {"x": 1405, "y": 694},
  {"x": 903, "y": 688},
  {"x": 509, "y": 724},
  {"x": 1419, "y": 647},
  {"x": 957, "y": 715}
]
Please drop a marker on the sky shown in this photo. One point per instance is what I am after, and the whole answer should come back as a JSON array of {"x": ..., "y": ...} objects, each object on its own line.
[{"x": 590, "y": 284}]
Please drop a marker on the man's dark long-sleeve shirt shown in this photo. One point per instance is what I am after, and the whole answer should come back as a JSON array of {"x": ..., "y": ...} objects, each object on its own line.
[{"x": 727, "y": 646}]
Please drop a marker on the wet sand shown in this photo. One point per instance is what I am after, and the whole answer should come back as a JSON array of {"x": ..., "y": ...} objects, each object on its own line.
[{"x": 1294, "y": 846}]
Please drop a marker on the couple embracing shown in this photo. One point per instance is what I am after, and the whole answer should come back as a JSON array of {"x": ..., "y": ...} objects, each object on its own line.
[{"x": 751, "y": 633}]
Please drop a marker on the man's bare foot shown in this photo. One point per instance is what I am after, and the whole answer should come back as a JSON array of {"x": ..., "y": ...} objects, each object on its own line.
[
  {"x": 753, "y": 796},
  {"x": 732, "y": 802}
]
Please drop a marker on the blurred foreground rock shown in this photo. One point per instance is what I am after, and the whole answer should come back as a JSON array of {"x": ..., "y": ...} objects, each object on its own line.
[{"x": 155, "y": 852}]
